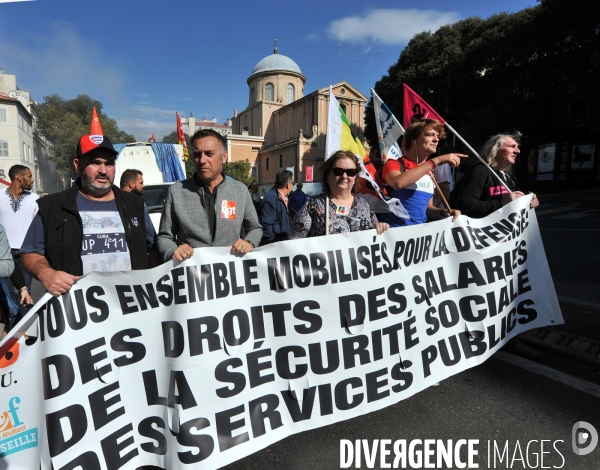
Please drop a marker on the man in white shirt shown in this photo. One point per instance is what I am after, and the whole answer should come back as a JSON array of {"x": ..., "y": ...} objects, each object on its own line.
[{"x": 18, "y": 207}]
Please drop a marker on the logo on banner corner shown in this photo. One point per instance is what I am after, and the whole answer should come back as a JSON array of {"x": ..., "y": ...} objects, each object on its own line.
[
  {"x": 9, "y": 353},
  {"x": 14, "y": 435}
]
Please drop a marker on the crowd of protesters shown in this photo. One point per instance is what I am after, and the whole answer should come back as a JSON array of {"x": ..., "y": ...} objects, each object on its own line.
[{"x": 210, "y": 210}]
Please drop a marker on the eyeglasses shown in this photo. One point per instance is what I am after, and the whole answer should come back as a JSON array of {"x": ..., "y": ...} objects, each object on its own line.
[{"x": 351, "y": 172}]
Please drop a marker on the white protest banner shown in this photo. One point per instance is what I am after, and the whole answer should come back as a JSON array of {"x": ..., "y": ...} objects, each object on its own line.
[{"x": 200, "y": 363}]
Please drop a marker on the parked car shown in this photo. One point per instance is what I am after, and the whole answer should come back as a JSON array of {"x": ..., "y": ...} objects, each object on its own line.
[{"x": 155, "y": 195}]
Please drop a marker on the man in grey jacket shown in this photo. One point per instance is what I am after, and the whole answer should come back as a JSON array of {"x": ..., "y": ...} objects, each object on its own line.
[{"x": 207, "y": 209}]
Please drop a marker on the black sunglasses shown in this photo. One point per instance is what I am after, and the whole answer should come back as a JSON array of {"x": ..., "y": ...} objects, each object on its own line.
[{"x": 351, "y": 172}]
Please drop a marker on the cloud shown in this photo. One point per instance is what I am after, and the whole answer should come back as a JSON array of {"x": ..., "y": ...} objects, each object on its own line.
[
  {"x": 142, "y": 129},
  {"x": 146, "y": 110},
  {"x": 143, "y": 119},
  {"x": 313, "y": 37},
  {"x": 388, "y": 27}
]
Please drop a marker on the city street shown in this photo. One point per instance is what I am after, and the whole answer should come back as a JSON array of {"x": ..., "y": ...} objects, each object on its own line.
[{"x": 570, "y": 226}]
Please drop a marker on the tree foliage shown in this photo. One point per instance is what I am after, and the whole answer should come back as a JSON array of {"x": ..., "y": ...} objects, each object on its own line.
[
  {"x": 511, "y": 71},
  {"x": 63, "y": 122},
  {"x": 237, "y": 170}
]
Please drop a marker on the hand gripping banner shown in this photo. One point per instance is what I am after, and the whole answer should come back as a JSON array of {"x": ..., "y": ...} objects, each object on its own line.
[{"x": 198, "y": 364}]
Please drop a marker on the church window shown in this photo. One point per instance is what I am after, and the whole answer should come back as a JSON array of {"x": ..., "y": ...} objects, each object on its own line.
[
  {"x": 280, "y": 160},
  {"x": 253, "y": 96},
  {"x": 269, "y": 92},
  {"x": 267, "y": 163},
  {"x": 290, "y": 93},
  {"x": 3, "y": 114},
  {"x": 343, "y": 106},
  {"x": 3, "y": 148}
]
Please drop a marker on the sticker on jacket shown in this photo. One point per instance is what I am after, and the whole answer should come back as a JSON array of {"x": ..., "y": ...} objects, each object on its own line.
[
  {"x": 498, "y": 190},
  {"x": 227, "y": 209}
]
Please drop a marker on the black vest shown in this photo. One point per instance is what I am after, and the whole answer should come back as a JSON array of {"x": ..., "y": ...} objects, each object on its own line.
[{"x": 63, "y": 229}]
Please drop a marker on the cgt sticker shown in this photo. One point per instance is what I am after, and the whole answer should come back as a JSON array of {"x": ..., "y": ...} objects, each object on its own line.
[{"x": 228, "y": 209}]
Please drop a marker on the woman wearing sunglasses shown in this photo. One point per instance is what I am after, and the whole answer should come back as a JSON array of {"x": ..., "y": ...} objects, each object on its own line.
[
  {"x": 347, "y": 212},
  {"x": 409, "y": 178}
]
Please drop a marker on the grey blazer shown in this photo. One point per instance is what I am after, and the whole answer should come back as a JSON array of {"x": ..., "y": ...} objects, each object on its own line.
[{"x": 184, "y": 218}]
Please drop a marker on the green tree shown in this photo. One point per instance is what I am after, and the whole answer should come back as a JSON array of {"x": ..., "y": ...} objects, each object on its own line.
[
  {"x": 510, "y": 71},
  {"x": 63, "y": 122},
  {"x": 239, "y": 170}
]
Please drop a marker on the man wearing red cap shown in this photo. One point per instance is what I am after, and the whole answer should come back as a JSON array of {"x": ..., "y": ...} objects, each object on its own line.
[{"x": 93, "y": 226}]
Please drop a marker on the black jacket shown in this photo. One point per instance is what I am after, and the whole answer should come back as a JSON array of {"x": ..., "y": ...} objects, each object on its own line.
[
  {"x": 479, "y": 193},
  {"x": 63, "y": 229},
  {"x": 275, "y": 219}
]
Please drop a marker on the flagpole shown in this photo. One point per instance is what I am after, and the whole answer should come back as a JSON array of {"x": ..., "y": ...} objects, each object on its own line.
[
  {"x": 439, "y": 190},
  {"x": 326, "y": 215},
  {"x": 477, "y": 155}
]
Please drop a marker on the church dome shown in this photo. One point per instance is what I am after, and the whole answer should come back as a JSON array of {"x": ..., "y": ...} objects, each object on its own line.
[{"x": 276, "y": 62}]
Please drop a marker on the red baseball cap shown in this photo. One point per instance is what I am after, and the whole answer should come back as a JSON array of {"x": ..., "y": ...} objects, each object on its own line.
[{"x": 90, "y": 142}]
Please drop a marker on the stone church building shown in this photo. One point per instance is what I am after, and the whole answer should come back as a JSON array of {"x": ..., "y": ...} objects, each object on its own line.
[{"x": 282, "y": 128}]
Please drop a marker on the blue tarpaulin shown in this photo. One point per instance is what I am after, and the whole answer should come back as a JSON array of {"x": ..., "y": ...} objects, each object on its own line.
[
  {"x": 119, "y": 148},
  {"x": 168, "y": 162}
]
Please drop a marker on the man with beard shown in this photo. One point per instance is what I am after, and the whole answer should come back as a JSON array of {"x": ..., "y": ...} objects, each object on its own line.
[
  {"x": 132, "y": 181},
  {"x": 93, "y": 226}
]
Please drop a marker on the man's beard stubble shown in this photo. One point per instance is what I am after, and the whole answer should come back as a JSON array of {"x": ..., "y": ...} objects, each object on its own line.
[{"x": 94, "y": 190}]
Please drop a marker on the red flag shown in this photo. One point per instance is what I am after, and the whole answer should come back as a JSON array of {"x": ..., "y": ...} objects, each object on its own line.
[
  {"x": 416, "y": 108},
  {"x": 181, "y": 137},
  {"x": 95, "y": 128},
  {"x": 364, "y": 186}
]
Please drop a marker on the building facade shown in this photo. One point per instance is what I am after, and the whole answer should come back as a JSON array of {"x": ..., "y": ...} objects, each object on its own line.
[
  {"x": 191, "y": 125},
  {"x": 282, "y": 128},
  {"x": 20, "y": 141}
]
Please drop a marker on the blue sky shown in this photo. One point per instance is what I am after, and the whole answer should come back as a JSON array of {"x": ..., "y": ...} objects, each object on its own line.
[{"x": 147, "y": 59}]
